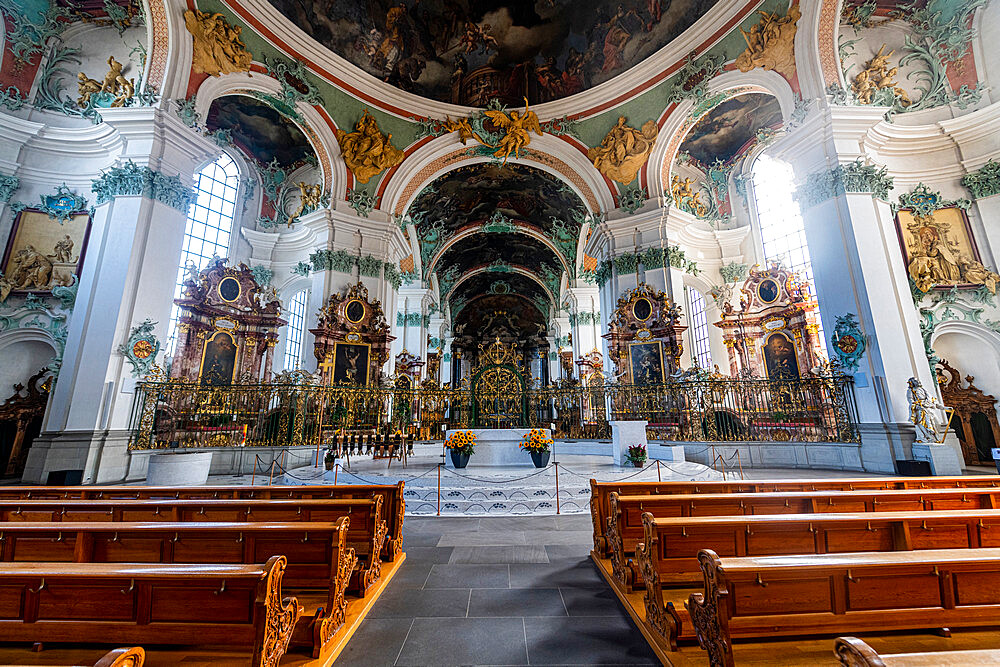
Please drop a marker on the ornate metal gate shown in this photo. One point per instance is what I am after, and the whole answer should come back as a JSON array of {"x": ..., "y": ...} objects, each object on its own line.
[{"x": 498, "y": 389}]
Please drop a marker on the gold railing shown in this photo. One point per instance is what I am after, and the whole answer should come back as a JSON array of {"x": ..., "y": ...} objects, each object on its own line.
[{"x": 816, "y": 409}]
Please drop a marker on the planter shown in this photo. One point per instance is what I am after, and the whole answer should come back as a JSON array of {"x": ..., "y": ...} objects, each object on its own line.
[
  {"x": 638, "y": 463},
  {"x": 329, "y": 463},
  {"x": 540, "y": 459},
  {"x": 458, "y": 459}
]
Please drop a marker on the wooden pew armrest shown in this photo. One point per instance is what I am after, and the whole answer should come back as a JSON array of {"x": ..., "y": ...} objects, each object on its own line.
[
  {"x": 852, "y": 652},
  {"x": 661, "y": 618},
  {"x": 708, "y": 612}
]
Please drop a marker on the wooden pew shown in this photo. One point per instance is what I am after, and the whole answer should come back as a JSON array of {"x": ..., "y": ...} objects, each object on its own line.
[
  {"x": 123, "y": 657},
  {"x": 238, "y": 606},
  {"x": 625, "y": 528},
  {"x": 668, "y": 555},
  {"x": 853, "y": 652},
  {"x": 321, "y": 558},
  {"x": 600, "y": 492},
  {"x": 393, "y": 503},
  {"x": 837, "y": 593},
  {"x": 366, "y": 532}
]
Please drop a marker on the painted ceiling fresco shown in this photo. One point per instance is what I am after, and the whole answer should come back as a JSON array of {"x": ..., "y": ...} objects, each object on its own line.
[
  {"x": 728, "y": 129},
  {"x": 483, "y": 249},
  {"x": 499, "y": 315},
  {"x": 472, "y": 194},
  {"x": 259, "y": 130},
  {"x": 469, "y": 51}
]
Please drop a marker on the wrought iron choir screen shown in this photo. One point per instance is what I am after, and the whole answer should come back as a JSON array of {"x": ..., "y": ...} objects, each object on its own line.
[{"x": 813, "y": 409}]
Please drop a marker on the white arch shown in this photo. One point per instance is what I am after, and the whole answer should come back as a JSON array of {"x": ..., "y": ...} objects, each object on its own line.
[
  {"x": 472, "y": 231},
  {"x": 26, "y": 335},
  {"x": 334, "y": 170}
]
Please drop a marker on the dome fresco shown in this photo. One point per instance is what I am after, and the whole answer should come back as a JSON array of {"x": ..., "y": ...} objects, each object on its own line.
[
  {"x": 730, "y": 128},
  {"x": 259, "y": 131},
  {"x": 470, "y": 51}
]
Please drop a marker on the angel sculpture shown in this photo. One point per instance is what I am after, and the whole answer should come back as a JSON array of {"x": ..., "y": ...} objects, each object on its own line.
[{"x": 518, "y": 127}]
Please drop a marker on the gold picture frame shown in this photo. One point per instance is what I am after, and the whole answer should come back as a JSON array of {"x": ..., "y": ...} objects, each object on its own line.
[
  {"x": 939, "y": 249},
  {"x": 239, "y": 289},
  {"x": 345, "y": 367},
  {"x": 43, "y": 253},
  {"x": 645, "y": 365},
  {"x": 647, "y": 307},
  {"x": 348, "y": 308},
  {"x": 219, "y": 361}
]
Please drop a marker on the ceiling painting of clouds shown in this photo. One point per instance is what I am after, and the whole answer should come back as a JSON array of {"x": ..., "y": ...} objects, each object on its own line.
[
  {"x": 728, "y": 129},
  {"x": 259, "y": 130}
]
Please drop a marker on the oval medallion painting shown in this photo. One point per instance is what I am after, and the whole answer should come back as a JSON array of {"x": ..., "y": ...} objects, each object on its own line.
[
  {"x": 355, "y": 311},
  {"x": 229, "y": 289},
  {"x": 768, "y": 291},
  {"x": 642, "y": 309}
]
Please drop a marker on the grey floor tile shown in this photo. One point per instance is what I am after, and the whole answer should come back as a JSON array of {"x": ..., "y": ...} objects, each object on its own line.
[
  {"x": 465, "y": 641},
  {"x": 516, "y": 602},
  {"x": 592, "y": 602},
  {"x": 572, "y": 537},
  {"x": 586, "y": 641},
  {"x": 519, "y": 554},
  {"x": 414, "y": 603},
  {"x": 440, "y": 524},
  {"x": 574, "y": 522},
  {"x": 468, "y": 576},
  {"x": 555, "y": 575},
  {"x": 411, "y": 575},
  {"x": 478, "y": 539},
  {"x": 429, "y": 555},
  {"x": 568, "y": 552},
  {"x": 375, "y": 644},
  {"x": 417, "y": 539},
  {"x": 507, "y": 523}
]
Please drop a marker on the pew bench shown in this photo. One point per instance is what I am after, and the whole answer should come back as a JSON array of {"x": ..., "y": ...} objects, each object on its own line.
[
  {"x": 600, "y": 492},
  {"x": 365, "y": 534},
  {"x": 238, "y": 606},
  {"x": 393, "y": 502},
  {"x": 841, "y": 593},
  {"x": 853, "y": 652},
  {"x": 625, "y": 527}
]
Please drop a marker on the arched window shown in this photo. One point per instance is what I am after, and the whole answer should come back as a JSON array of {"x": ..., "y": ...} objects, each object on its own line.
[
  {"x": 209, "y": 225},
  {"x": 782, "y": 232},
  {"x": 296, "y": 315},
  {"x": 699, "y": 329}
]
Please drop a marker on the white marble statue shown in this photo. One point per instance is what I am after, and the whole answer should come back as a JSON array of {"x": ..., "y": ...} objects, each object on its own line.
[{"x": 926, "y": 413}]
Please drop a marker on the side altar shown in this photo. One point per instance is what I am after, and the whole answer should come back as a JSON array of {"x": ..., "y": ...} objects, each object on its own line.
[{"x": 497, "y": 447}]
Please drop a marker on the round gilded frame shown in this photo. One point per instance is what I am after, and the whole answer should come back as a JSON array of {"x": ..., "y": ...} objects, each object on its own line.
[
  {"x": 760, "y": 291},
  {"x": 221, "y": 291},
  {"x": 647, "y": 307},
  {"x": 352, "y": 313}
]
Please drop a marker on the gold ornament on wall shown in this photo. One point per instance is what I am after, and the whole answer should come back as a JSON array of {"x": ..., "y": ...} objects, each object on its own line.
[
  {"x": 514, "y": 128},
  {"x": 771, "y": 43},
  {"x": 366, "y": 150},
  {"x": 115, "y": 83},
  {"x": 685, "y": 198},
  {"x": 876, "y": 76},
  {"x": 624, "y": 150},
  {"x": 218, "y": 48},
  {"x": 310, "y": 199},
  {"x": 940, "y": 253}
]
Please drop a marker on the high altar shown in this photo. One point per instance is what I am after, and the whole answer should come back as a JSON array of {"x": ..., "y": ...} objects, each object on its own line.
[
  {"x": 352, "y": 340},
  {"x": 776, "y": 332},
  {"x": 227, "y": 328},
  {"x": 644, "y": 336}
]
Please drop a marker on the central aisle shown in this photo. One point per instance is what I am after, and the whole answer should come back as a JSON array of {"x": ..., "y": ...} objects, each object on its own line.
[{"x": 497, "y": 591}]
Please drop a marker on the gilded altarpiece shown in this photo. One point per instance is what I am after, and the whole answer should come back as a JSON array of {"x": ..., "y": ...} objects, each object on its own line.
[
  {"x": 352, "y": 340},
  {"x": 775, "y": 334},
  {"x": 644, "y": 336},
  {"x": 228, "y": 327}
]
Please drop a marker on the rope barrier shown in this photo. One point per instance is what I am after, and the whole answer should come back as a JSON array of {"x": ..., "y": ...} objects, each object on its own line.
[{"x": 489, "y": 481}]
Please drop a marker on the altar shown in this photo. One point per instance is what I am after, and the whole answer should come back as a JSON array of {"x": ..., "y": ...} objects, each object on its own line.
[{"x": 496, "y": 447}]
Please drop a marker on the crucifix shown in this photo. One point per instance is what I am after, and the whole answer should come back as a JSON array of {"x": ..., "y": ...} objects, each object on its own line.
[{"x": 326, "y": 370}]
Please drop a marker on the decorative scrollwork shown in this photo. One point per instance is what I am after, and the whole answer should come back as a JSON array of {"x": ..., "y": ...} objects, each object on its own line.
[
  {"x": 282, "y": 613},
  {"x": 705, "y": 608}
]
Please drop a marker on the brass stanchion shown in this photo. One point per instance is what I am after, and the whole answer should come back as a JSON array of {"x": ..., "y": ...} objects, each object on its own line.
[
  {"x": 439, "y": 490},
  {"x": 270, "y": 475},
  {"x": 556, "y": 464},
  {"x": 254, "y": 474},
  {"x": 336, "y": 469},
  {"x": 658, "y": 478}
]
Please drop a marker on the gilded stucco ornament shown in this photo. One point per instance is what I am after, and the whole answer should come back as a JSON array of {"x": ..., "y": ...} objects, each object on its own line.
[
  {"x": 848, "y": 341},
  {"x": 685, "y": 198},
  {"x": 218, "y": 48},
  {"x": 771, "y": 43},
  {"x": 141, "y": 348},
  {"x": 113, "y": 91},
  {"x": 366, "y": 151},
  {"x": 511, "y": 131},
  {"x": 624, "y": 150},
  {"x": 310, "y": 199},
  {"x": 875, "y": 83}
]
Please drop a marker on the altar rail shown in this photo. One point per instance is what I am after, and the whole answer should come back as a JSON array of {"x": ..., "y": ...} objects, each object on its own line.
[{"x": 816, "y": 409}]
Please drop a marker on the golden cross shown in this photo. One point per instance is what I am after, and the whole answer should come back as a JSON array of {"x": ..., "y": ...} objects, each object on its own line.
[{"x": 327, "y": 367}]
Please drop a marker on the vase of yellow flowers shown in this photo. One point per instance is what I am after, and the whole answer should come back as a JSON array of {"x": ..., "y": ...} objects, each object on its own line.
[
  {"x": 537, "y": 443},
  {"x": 461, "y": 444}
]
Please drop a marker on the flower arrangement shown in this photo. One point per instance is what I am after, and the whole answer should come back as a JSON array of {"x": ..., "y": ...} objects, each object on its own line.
[
  {"x": 636, "y": 455},
  {"x": 535, "y": 441},
  {"x": 463, "y": 442}
]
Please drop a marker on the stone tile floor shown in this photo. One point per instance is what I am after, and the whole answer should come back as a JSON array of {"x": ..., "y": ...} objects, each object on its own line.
[{"x": 497, "y": 591}]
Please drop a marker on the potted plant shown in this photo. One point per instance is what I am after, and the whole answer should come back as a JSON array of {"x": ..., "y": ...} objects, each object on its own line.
[
  {"x": 537, "y": 444},
  {"x": 461, "y": 444},
  {"x": 329, "y": 458},
  {"x": 636, "y": 455}
]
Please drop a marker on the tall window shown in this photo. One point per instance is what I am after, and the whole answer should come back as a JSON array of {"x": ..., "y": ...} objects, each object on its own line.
[
  {"x": 782, "y": 231},
  {"x": 296, "y": 314},
  {"x": 699, "y": 329},
  {"x": 209, "y": 226}
]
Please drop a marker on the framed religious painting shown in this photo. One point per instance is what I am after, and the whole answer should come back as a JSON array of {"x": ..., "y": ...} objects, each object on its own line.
[
  {"x": 939, "y": 250},
  {"x": 646, "y": 362},
  {"x": 350, "y": 363},
  {"x": 218, "y": 360},
  {"x": 780, "y": 361},
  {"x": 43, "y": 252}
]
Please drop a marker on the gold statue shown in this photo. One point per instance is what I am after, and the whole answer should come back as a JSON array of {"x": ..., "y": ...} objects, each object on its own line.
[
  {"x": 935, "y": 259},
  {"x": 309, "y": 200},
  {"x": 685, "y": 198},
  {"x": 771, "y": 43},
  {"x": 876, "y": 76},
  {"x": 366, "y": 150},
  {"x": 518, "y": 126},
  {"x": 624, "y": 150},
  {"x": 218, "y": 48},
  {"x": 114, "y": 82}
]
